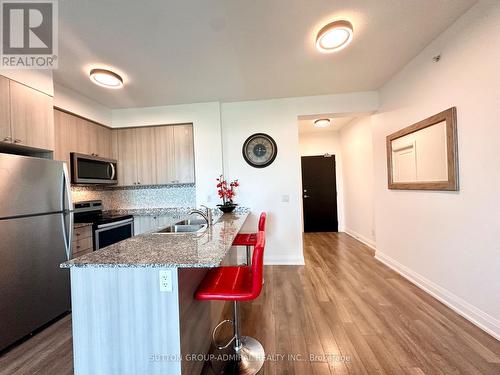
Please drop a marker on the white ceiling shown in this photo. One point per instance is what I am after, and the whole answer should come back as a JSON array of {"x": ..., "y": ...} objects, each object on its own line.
[{"x": 186, "y": 51}]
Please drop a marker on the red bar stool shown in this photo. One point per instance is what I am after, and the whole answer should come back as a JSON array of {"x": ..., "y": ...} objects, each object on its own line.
[
  {"x": 250, "y": 239},
  {"x": 237, "y": 284}
]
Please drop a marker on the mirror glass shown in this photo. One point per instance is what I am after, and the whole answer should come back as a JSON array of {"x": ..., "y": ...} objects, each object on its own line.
[
  {"x": 424, "y": 156},
  {"x": 421, "y": 156}
]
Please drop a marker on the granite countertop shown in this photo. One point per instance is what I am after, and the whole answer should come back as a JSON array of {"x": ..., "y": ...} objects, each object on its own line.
[{"x": 179, "y": 250}]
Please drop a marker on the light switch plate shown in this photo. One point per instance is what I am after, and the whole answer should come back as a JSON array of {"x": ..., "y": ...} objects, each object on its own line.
[
  {"x": 285, "y": 198},
  {"x": 165, "y": 281}
]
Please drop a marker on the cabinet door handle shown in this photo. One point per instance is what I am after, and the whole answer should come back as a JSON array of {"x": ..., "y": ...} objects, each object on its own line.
[
  {"x": 7, "y": 139},
  {"x": 17, "y": 141}
]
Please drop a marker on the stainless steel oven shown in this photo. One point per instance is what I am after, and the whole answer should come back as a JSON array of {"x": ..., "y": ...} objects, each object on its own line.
[
  {"x": 88, "y": 169},
  {"x": 106, "y": 234},
  {"x": 107, "y": 228}
]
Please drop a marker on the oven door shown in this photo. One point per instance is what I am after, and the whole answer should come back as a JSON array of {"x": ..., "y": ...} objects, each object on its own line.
[
  {"x": 108, "y": 234},
  {"x": 86, "y": 169}
]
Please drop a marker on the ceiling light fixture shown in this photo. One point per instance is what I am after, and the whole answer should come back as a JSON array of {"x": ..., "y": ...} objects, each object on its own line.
[
  {"x": 322, "y": 123},
  {"x": 334, "y": 36},
  {"x": 106, "y": 78}
]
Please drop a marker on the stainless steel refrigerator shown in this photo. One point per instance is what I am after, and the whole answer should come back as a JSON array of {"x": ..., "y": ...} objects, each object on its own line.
[{"x": 36, "y": 222}]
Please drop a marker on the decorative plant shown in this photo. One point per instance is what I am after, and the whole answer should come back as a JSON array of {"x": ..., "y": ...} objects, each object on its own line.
[{"x": 226, "y": 190}]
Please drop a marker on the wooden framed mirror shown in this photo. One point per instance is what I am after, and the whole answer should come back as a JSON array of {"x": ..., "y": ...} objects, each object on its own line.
[{"x": 424, "y": 156}]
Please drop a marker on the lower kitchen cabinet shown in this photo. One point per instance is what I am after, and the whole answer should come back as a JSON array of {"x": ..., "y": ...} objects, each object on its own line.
[
  {"x": 82, "y": 241},
  {"x": 143, "y": 224},
  {"x": 149, "y": 223}
]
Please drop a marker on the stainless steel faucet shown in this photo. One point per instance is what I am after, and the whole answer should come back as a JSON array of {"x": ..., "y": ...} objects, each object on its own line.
[{"x": 207, "y": 214}]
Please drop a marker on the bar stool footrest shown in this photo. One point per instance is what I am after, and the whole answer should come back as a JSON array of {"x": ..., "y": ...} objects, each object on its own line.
[{"x": 214, "y": 332}]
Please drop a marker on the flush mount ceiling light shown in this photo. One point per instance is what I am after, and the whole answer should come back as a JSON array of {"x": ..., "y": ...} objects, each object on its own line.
[
  {"x": 322, "y": 123},
  {"x": 106, "y": 78},
  {"x": 334, "y": 36}
]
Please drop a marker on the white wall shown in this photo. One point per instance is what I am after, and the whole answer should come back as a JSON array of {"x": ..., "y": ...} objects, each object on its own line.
[
  {"x": 357, "y": 164},
  {"x": 263, "y": 189},
  {"x": 320, "y": 143},
  {"x": 207, "y": 138},
  {"x": 81, "y": 105},
  {"x": 448, "y": 242}
]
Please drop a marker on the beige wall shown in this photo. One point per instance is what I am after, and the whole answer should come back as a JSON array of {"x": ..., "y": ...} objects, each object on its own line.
[
  {"x": 447, "y": 242},
  {"x": 357, "y": 164}
]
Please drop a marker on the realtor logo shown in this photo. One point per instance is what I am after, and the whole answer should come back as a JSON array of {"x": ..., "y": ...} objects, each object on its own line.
[{"x": 28, "y": 34}]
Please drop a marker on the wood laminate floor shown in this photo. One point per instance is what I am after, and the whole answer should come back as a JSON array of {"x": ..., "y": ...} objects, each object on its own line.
[{"x": 342, "y": 313}]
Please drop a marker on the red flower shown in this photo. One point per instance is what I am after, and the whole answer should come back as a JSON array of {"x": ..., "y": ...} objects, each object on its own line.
[{"x": 226, "y": 193}]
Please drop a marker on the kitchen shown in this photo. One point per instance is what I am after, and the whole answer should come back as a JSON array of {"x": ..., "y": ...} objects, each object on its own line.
[{"x": 206, "y": 187}]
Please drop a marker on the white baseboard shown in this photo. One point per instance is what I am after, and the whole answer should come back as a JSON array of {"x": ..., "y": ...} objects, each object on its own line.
[
  {"x": 284, "y": 261},
  {"x": 368, "y": 242},
  {"x": 476, "y": 316}
]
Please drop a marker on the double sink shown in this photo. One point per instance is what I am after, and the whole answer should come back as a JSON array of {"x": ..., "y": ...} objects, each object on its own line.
[{"x": 185, "y": 226}]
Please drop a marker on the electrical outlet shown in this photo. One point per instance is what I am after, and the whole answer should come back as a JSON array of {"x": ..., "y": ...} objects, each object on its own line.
[
  {"x": 285, "y": 198},
  {"x": 165, "y": 281}
]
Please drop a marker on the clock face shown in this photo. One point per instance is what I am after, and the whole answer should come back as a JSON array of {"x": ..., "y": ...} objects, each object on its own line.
[{"x": 259, "y": 150}]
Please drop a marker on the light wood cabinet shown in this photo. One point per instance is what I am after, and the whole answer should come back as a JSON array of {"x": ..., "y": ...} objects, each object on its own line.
[
  {"x": 175, "y": 154},
  {"x": 4, "y": 110},
  {"x": 103, "y": 141},
  {"x": 31, "y": 117},
  {"x": 165, "y": 155},
  {"x": 127, "y": 157},
  {"x": 66, "y": 136},
  {"x": 157, "y": 155},
  {"x": 74, "y": 134},
  {"x": 26, "y": 116},
  {"x": 146, "y": 156},
  {"x": 184, "y": 153}
]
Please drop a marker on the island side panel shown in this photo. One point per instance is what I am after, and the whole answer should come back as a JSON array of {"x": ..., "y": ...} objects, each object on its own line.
[
  {"x": 198, "y": 318},
  {"x": 122, "y": 323}
]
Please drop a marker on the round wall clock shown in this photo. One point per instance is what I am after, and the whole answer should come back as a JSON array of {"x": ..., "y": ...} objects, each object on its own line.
[{"x": 259, "y": 150}]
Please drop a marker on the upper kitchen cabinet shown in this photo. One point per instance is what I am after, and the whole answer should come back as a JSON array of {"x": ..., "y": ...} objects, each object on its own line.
[
  {"x": 26, "y": 116},
  {"x": 31, "y": 117},
  {"x": 4, "y": 109},
  {"x": 175, "y": 154},
  {"x": 156, "y": 155},
  {"x": 66, "y": 136},
  {"x": 165, "y": 154},
  {"x": 136, "y": 156},
  {"x": 75, "y": 134},
  {"x": 127, "y": 157},
  {"x": 184, "y": 153},
  {"x": 146, "y": 156}
]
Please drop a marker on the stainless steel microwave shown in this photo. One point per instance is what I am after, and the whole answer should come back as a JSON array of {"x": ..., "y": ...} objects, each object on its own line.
[{"x": 88, "y": 169}]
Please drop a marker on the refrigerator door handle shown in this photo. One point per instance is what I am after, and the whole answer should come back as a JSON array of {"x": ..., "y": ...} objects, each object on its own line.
[{"x": 67, "y": 210}]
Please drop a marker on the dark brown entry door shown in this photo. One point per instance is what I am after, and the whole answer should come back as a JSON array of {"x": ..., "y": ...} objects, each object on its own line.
[{"x": 319, "y": 194}]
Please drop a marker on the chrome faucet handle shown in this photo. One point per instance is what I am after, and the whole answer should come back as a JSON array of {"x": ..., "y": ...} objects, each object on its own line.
[{"x": 209, "y": 214}]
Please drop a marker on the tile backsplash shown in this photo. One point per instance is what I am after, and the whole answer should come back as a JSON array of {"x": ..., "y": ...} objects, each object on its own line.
[{"x": 161, "y": 196}]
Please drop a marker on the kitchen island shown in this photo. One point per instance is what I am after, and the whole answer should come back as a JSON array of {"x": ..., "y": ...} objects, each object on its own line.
[{"x": 132, "y": 302}]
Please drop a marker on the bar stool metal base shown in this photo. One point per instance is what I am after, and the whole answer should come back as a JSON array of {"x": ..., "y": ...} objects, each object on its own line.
[{"x": 251, "y": 356}]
